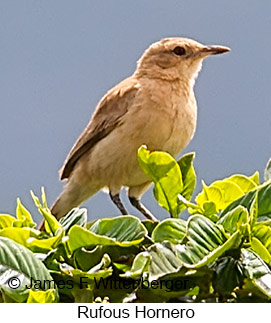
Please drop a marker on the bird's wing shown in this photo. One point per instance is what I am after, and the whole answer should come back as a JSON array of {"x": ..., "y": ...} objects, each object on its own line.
[{"x": 106, "y": 118}]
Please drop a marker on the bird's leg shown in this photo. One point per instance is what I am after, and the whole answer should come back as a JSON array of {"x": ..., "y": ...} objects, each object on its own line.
[
  {"x": 116, "y": 200},
  {"x": 138, "y": 205}
]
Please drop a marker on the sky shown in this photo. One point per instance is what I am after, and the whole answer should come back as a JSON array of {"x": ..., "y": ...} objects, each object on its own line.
[{"x": 58, "y": 58}]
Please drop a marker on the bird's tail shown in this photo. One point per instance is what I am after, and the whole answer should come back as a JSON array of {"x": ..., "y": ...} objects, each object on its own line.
[{"x": 73, "y": 195}]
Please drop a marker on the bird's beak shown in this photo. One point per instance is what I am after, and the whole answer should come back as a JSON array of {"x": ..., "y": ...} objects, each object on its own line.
[{"x": 213, "y": 50}]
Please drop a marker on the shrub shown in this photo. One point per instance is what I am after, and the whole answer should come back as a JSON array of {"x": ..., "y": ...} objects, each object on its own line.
[{"x": 221, "y": 253}]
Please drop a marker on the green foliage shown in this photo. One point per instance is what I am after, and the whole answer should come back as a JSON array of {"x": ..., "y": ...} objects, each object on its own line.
[{"x": 221, "y": 253}]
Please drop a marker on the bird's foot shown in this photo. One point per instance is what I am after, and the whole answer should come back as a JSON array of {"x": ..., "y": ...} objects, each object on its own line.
[
  {"x": 138, "y": 205},
  {"x": 116, "y": 200}
]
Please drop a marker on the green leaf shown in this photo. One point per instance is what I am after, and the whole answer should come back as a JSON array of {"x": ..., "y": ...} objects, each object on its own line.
[
  {"x": 149, "y": 225},
  {"x": 101, "y": 270},
  {"x": 164, "y": 260},
  {"x": 264, "y": 202},
  {"x": 188, "y": 177},
  {"x": 209, "y": 209},
  {"x": 124, "y": 228},
  {"x": 235, "y": 218},
  {"x": 254, "y": 210},
  {"x": 206, "y": 242},
  {"x": 19, "y": 235},
  {"x": 19, "y": 258},
  {"x": 30, "y": 238},
  {"x": 263, "y": 233},
  {"x": 230, "y": 191},
  {"x": 255, "y": 178},
  {"x": 86, "y": 259},
  {"x": 121, "y": 231},
  {"x": 267, "y": 171},
  {"x": 18, "y": 265},
  {"x": 52, "y": 224},
  {"x": 6, "y": 221},
  {"x": 228, "y": 275},
  {"x": 80, "y": 237},
  {"x": 245, "y": 183},
  {"x": 260, "y": 249},
  {"x": 44, "y": 245},
  {"x": 222, "y": 193},
  {"x": 257, "y": 271},
  {"x": 173, "y": 230},
  {"x": 164, "y": 171},
  {"x": 48, "y": 296},
  {"x": 167, "y": 269},
  {"x": 139, "y": 266},
  {"x": 75, "y": 216},
  {"x": 24, "y": 216},
  {"x": 210, "y": 194}
]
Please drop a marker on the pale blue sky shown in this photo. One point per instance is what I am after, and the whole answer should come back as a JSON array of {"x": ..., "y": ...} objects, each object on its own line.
[{"x": 58, "y": 58}]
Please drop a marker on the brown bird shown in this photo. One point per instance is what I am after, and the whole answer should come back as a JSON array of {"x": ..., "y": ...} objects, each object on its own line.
[{"x": 155, "y": 106}]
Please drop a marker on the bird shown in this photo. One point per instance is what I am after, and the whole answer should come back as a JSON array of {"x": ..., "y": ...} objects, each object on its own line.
[{"x": 155, "y": 106}]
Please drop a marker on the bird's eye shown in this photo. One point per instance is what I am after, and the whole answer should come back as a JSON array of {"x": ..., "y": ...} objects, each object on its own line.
[{"x": 178, "y": 50}]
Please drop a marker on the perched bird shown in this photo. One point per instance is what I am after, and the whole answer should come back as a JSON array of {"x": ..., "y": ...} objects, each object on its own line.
[{"x": 155, "y": 106}]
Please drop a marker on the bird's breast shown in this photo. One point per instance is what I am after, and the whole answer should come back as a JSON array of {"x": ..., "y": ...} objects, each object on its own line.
[{"x": 168, "y": 118}]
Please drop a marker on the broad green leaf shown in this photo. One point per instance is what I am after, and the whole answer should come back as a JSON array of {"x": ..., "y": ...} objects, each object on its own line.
[
  {"x": 52, "y": 223},
  {"x": 101, "y": 270},
  {"x": 260, "y": 249},
  {"x": 24, "y": 216},
  {"x": 121, "y": 231},
  {"x": 230, "y": 191},
  {"x": 19, "y": 258},
  {"x": 263, "y": 233},
  {"x": 228, "y": 275},
  {"x": 13, "y": 285},
  {"x": 210, "y": 194},
  {"x": 167, "y": 269},
  {"x": 44, "y": 245},
  {"x": 6, "y": 221},
  {"x": 257, "y": 271},
  {"x": 165, "y": 172},
  {"x": 188, "y": 177},
  {"x": 164, "y": 260},
  {"x": 264, "y": 202},
  {"x": 48, "y": 296},
  {"x": 30, "y": 238},
  {"x": 139, "y": 266},
  {"x": 209, "y": 208},
  {"x": 86, "y": 259},
  {"x": 222, "y": 193},
  {"x": 235, "y": 218},
  {"x": 267, "y": 171},
  {"x": 206, "y": 242},
  {"x": 167, "y": 277},
  {"x": 19, "y": 235},
  {"x": 18, "y": 266},
  {"x": 245, "y": 183},
  {"x": 124, "y": 228},
  {"x": 80, "y": 237},
  {"x": 173, "y": 230},
  {"x": 75, "y": 216}
]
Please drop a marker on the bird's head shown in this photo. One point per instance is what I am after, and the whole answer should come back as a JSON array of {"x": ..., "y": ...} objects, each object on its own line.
[{"x": 175, "y": 58}]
